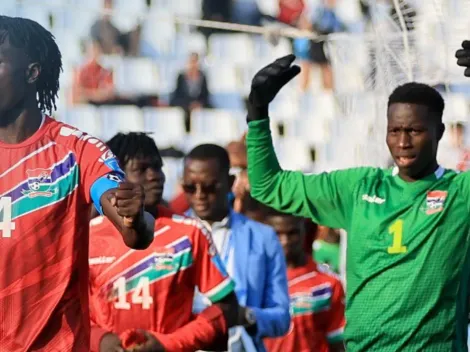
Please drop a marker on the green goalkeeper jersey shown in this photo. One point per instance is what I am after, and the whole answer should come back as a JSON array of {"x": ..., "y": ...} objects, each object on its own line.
[{"x": 408, "y": 266}]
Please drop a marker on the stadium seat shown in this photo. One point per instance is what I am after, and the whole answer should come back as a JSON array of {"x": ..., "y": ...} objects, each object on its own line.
[
  {"x": 168, "y": 71},
  {"x": 76, "y": 16},
  {"x": 10, "y": 8},
  {"x": 232, "y": 48},
  {"x": 120, "y": 119},
  {"x": 456, "y": 109},
  {"x": 220, "y": 126},
  {"x": 230, "y": 101},
  {"x": 293, "y": 154},
  {"x": 318, "y": 104},
  {"x": 186, "y": 44},
  {"x": 136, "y": 77},
  {"x": 314, "y": 130},
  {"x": 85, "y": 117},
  {"x": 166, "y": 125},
  {"x": 69, "y": 45},
  {"x": 159, "y": 31},
  {"x": 36, "y": 12},
  {"x": 173, "y": 169},
  {"x": 227, "y": 84},
  {"x": 186, "y": 8}
]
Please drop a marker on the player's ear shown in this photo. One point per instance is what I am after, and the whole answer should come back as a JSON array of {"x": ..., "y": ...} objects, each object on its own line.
[{"x": 32, "y": 73}]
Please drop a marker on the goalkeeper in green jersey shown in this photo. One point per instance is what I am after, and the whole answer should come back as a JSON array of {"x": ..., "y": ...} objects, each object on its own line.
[{"x": 408, "y": 262}]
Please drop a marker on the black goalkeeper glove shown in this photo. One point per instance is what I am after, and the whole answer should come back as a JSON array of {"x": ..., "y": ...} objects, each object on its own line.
[
  {"x": 267, "y": 83},
  {"x": 463, "y": 57}
]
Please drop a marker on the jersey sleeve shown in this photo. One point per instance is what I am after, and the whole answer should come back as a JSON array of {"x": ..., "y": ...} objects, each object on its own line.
[
  {"x": 327, "y": 198},
  {"x": 210, "y": 276},
  {"x": 99, "y": 168},
  {"x": 334, "y": 317}
]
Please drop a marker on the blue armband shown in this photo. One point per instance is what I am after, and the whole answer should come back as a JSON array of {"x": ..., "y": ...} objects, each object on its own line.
[{"x": 103, "y": 184}]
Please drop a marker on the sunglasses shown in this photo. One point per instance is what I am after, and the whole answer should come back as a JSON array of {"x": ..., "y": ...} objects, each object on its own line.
[{"x": 207, "y": 189}]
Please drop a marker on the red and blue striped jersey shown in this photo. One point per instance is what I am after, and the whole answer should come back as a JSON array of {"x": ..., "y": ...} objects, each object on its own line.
[{"x": 45, "y": 200}]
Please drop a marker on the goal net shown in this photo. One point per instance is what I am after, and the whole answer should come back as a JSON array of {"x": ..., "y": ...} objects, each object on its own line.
[{"x": 407, "y": 41}]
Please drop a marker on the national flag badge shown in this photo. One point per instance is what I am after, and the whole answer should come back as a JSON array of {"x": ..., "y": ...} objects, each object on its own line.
[
  {"x": 39, "y": 183},
  {"x": 435, "y": 201},
  {"x": 164, "y": 258}
]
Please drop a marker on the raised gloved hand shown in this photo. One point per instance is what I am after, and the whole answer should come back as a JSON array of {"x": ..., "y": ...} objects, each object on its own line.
[
  {"x": 267, "y": 83},
  {"x": 463, "y": 57}
]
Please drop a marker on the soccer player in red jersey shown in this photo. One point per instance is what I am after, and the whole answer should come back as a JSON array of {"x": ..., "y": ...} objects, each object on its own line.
[
  {"x": 50, "y": 173},
  {"x": 154, "y": 289},
  {"x": 317, "y": 297}
]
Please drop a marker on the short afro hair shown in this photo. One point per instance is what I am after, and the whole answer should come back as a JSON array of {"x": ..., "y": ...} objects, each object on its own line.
[
  {"x": 205, "y": 152},
  {"x": 419, "y": 94}
]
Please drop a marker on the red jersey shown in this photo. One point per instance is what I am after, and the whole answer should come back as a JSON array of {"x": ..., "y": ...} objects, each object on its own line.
[
  {"x": 45, "y": 199},
  {"x": 317, "y": 310},
  {"x": 152, "y": 289}
]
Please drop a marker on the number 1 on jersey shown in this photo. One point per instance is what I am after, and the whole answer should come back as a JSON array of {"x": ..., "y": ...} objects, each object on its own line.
[
  {"x": 396, "y": 230},
  {"x": 6, "y": 225}
]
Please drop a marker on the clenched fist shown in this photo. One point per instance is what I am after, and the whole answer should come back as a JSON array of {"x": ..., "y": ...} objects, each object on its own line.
[
  {"x": 267, "y": 83},
  {"x": 128, "y": 199}
]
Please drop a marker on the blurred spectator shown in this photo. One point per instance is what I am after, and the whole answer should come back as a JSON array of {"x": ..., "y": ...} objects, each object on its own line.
[
  {"x": 326, "y": 247},
  {"x": 316, "y": 296},
  {"x": 191, "y": 90},
  {"x": 246, "y": 12},
  {"x": 250, "y": 250},
  {"x": 110, "y": 39},
  {"x": 215, "y": 10},
  {"x": 324, "y": 21},
  {"x": 290, "y": 11},
  {"x": 93, "y": 84}
]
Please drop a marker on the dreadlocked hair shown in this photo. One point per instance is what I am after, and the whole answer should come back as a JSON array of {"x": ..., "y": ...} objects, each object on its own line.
[
  {"x": 127, "y": 146},
  {"x": 40, "y": 46}
]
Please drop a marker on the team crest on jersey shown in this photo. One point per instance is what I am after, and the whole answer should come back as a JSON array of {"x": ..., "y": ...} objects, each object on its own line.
[
  {"x": 164, "y": 258},
  {"x": 435, "y": 201},
  {"x": 39, "y": 183}
]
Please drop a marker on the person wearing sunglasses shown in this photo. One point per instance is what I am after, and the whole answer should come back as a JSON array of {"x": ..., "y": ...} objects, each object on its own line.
[
  {"x": 250, "y": 251},
  {"x": 153, "y": 289}
]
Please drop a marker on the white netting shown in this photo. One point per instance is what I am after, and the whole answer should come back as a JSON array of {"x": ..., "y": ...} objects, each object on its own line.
[{"x": 367, "y": 67}]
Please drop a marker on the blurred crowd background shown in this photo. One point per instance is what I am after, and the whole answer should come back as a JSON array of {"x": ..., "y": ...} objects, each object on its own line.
[{"x": 157, "y": 66}]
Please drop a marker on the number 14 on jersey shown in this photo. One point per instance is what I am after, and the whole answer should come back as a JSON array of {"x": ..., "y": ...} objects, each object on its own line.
[{"x": 6, "y": 225}]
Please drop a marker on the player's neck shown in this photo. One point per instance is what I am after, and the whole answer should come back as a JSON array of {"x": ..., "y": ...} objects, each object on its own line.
[
  {"x": 297, "y": 261},
  {"x": 218, "y": 216},
  {"x": 430, "y": 169},
  {"x": 19, "y": 124}
]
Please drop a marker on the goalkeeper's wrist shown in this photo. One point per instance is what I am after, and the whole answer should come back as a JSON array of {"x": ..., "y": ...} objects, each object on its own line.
[{"x": 256, "y": 113}]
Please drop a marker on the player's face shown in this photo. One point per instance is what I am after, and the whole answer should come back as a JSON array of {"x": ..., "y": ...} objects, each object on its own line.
[
  {"x": 13, "y": 81},
  {"x": 290, "y": 231},
  {"x": 412, "y": 138},
  {"x": 205, "y": 188},
  {"x": 147, "y": 172}
]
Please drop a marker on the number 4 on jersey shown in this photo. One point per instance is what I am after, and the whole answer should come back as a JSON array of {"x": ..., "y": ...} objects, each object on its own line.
[{"x": 6, "y": 225}]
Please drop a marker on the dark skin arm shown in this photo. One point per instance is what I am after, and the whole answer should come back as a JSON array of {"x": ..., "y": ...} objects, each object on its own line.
[{"x": 123, "y": 206}]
